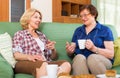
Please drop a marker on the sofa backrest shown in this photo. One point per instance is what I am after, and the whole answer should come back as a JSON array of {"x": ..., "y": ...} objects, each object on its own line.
[
  {"x": 59, "y": 32},
  {"x": 10, "y": 27}
]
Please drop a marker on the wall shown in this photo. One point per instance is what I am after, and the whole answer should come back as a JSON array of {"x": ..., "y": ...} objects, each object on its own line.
[
  {"x": 4, "y": 10},
  {"x": 45, "y": 7},
  {"x": 94, "y": 2},
  {"x": 104, "y": 10}
]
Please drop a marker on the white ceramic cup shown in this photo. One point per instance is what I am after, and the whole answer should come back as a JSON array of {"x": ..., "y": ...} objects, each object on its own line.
[
  {"x": 52, "y": 70},
  {"x": 81, "y": 43},
  {"x": 44, "y": 77}
]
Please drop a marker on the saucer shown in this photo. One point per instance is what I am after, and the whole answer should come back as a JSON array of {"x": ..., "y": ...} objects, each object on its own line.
[{"x": 104, "y": 76}]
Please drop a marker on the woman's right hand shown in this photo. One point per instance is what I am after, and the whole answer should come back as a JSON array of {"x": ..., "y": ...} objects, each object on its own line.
[
  {"x": 70, "y": 48},
  {"x": 21, "y": 56},
  {"x": 35, "y": 57}
]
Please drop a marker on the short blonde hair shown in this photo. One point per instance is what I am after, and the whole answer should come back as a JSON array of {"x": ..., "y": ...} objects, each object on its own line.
[{"x": 26, "y": 17}]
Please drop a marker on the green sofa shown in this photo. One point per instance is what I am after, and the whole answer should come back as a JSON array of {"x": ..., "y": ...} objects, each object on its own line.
[{"x": 59, "y": 32}]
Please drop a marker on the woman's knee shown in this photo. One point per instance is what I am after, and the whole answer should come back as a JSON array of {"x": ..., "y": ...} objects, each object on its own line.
[
  {"x": 67, "y": 64},
  {"x": 65, "y": 67},
  {"x": 94, "y": 61},
  {"x": 79, "y": 57},
  {"x": 91, "y": 58}
]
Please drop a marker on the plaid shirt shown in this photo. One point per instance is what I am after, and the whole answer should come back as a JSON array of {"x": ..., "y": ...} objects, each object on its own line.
[{"x": 24, "y": 42}]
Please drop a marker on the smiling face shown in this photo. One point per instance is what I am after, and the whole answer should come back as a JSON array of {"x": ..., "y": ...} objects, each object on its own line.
[
  {"x": 31, "y": 18},
  {"x": 34, "y": 21},
  {"x": 87, "y": 17},
  {"x": 88, "y": 14}
]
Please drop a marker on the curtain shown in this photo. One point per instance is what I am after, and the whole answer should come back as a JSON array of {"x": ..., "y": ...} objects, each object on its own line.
[{"x": 109, "y": 13}]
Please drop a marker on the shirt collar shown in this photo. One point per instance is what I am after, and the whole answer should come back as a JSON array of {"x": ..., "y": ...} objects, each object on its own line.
[
  {"x": 28, "y": 33},
  {"x": 98, "y": 26}
]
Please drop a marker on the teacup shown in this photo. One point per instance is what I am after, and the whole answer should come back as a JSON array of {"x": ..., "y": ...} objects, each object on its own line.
[
  {"x": 52, "y": 70},
  {"x": 44, "y": 77},
  {"x": 81, "y": 43}
]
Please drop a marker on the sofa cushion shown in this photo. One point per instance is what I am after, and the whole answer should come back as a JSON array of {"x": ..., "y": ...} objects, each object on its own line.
[
  {"x": 117, "y": 68},
  {"x": 6, "y": 70},
  {"x": 6, "y": 48},
  {"x": 117, "y": 52},
  {"x": 23, "y": 76}
]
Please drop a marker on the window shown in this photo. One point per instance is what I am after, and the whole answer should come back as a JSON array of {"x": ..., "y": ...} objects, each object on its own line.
[
  {"x": 109, "y": 12},
  {"x": 17, "y": 9}
]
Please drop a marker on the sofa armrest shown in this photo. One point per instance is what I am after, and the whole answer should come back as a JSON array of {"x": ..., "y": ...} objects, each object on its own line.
[{"x": 6, "y": 70}]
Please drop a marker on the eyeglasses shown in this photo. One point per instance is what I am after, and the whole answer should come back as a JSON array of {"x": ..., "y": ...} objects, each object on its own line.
[{"x": 84, "y": 15}]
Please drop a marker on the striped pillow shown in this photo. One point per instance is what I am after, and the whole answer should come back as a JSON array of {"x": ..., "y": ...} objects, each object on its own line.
[{"x": 6, "y": 49}]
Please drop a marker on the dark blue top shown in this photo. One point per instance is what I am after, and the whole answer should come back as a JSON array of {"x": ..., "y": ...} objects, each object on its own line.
[{"x": 98, "y": 35}]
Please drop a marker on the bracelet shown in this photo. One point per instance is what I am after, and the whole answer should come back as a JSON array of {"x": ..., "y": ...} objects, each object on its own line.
[
  {"x": 54, "y": 50},
  {"x": 97, "y": 51}
]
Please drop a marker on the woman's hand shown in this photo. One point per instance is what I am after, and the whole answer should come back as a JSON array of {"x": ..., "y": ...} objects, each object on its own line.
[
  {"x": 51, "y": 45},
  {"x": 89, "y": 44},
  {"x": 21, "y": 56},
  {"x": 35, "y": 57},
  {"x": 108, "y": 51},
  {"x": 70, "y": 48}
]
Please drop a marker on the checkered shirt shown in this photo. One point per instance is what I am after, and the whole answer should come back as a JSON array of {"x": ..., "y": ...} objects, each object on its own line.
[{"x": 24, "y": 42}]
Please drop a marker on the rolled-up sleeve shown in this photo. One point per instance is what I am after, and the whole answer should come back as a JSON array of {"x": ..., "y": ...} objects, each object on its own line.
[{"x": 17, "y": 42}]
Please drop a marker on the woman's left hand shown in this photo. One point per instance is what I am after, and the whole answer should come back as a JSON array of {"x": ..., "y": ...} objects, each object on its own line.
[
  {"x": 50, "y": 45},
  {"x": 89, "y": 44}
]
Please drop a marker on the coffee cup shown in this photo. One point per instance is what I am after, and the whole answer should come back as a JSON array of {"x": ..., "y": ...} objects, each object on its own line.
[
  {"x": 52, "y": 70},
  {"x": 44, "y": 77},
  {"x": 81, "y": 43}
]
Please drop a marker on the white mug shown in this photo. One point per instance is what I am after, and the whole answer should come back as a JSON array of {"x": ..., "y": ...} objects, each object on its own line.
[
  {"x": 52, "y": 70},
  {"x": 81, "y": 43},
  {"x": 44, "y": 77}
]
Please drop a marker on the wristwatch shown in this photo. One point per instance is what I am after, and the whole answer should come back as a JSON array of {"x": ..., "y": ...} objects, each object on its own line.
[{"x": 96, "y": 51}]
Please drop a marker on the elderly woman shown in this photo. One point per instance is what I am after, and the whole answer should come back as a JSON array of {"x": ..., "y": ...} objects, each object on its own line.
[
  {"x": 33, "y": 50},
  {"x": 98, "y": 54}
]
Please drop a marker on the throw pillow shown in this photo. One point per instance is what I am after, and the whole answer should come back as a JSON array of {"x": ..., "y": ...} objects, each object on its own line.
[
  {"x": 117, "y": 52},
  {"x": 6, "y": 49}
]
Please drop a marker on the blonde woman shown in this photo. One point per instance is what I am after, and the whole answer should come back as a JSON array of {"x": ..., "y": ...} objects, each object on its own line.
[{"x": 32, "y": 49}]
